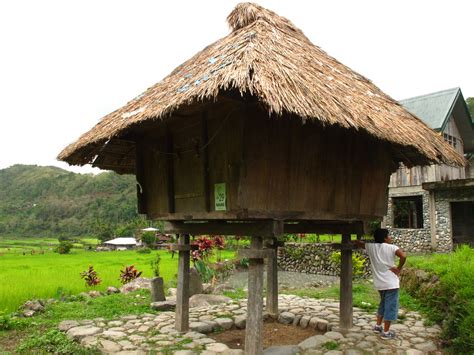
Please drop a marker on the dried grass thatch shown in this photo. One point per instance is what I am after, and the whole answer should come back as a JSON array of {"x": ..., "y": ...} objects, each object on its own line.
[{"x": 267, "y": 57}]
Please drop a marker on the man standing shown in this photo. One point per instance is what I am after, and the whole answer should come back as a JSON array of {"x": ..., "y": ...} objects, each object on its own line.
[{"x": 382, "y": 258}]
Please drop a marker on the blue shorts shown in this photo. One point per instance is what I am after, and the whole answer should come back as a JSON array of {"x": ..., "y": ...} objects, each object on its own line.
[{"x": 388, "y": 307}]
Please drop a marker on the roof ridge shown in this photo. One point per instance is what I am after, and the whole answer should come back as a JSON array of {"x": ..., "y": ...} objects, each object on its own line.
[{"x": 433, "y": 94}]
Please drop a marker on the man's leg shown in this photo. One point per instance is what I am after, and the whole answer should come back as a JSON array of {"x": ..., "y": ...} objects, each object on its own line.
[
  {"x": 380, "y": 312},
  {"x": 381, "y": 309},
  {"x": 390, "y": 311}
]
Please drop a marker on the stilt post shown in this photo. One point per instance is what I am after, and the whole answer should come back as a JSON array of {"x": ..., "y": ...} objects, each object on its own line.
[
  {"x": 182, "y": 296},
  {"x": 272, "y": 279},
  {"x": 345, "y": 305},
  {"x": 254, "y": 325}
]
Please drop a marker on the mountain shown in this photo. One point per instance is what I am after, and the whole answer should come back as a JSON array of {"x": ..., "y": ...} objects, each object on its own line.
[{"x": 49, "y": 201}]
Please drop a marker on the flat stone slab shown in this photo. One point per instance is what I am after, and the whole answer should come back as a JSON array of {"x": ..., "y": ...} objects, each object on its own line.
[
  {"x": 168, "y": 305},
  {"x": 313, "y": 342},
  {"x": 240, "y": 321},
  {"x": 201, "y": 327},
  {"x": 286, "y": 317},
  {"x": 224, "y": 323},
  {"x": 67, "y": 324},
  {"x": 77, "y": 333},
  {"x": 217, "y": 347},
  {"x": 203, "y": 300}
]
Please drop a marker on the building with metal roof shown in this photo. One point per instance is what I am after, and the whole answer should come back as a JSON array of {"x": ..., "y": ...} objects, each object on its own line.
[{"x": 432, "y": 207}]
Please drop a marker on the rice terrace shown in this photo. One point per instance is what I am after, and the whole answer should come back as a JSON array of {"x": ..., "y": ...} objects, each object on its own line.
[{"x": 262, "y": 197}]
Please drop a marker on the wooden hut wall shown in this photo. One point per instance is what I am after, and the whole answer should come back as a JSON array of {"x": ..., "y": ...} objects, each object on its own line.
[
  {"x": 273, "y": 167},
  {"x": 308, "y": 172},
  {"x": 179, "y": 164}
]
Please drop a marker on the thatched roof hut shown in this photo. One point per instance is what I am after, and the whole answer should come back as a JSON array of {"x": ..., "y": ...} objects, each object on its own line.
[
  {"x": 266, "y": 59},
  {"x": 281, "y": 136}
]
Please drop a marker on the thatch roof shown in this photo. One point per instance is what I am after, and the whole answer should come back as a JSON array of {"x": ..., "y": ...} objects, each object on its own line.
[{"x": 267, "y": 57}]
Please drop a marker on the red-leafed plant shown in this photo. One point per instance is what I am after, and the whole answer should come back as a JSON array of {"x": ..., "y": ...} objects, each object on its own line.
[
  {"x": 204, "y": 250},
  {"x": 90, "y": 277},
  {"x": 219, "y": 244},
  {"x": 129, "y": 274}
]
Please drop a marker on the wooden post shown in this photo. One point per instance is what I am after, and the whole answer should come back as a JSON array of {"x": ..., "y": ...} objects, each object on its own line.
[
  {"x": 254, "y": 325},
  {"x": 272, "y": 280},
  {"x": 432, "y": 209},
  {"x": 345, "y": 303},
  {"x": 182, "y": 296}
]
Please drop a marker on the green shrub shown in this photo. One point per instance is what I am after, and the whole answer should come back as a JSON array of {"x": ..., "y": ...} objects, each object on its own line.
[
  {"x": 6, "y": 322},
  {"x": 144, "y": 250},
  {"x": 204, "y": 270},
  {"x": 331, "y": 345},
  {"x": 295, "y": 252},
  {"x": 52, "y": 341},
  {"x": 449, "y": 302},
  {"x": 155, "y": 265},
  {"x": 64, "y": 247},
  {"x": 149, "y": 238},
  {"x": 358, "y": 262}
]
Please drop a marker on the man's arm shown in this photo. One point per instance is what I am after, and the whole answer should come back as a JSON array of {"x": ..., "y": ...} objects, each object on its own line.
[{"x": 403, "y": 257}]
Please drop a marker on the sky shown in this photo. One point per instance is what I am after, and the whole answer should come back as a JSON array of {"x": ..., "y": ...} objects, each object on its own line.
[{"x": 64, "y": 64}]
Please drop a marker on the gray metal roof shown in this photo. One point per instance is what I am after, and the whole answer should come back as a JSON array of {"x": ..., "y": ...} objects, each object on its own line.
[{"x": 433, "y": 109}]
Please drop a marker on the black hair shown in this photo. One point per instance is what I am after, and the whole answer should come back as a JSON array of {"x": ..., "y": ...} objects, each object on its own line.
[{"x": 380, "y": 235}]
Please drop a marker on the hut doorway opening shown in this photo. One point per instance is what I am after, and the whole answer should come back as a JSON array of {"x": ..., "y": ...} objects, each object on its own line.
[{"x": 462, "y": 214}]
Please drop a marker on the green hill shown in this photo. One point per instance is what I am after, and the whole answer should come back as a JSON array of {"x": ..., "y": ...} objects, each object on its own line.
[{"x": 48, "y": 201}]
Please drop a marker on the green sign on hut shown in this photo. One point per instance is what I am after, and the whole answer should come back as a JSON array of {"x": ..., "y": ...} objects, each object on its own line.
[{"x": 259, "y": 134}]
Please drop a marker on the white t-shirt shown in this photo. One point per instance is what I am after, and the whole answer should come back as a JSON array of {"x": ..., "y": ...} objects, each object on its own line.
[{"x": 382, "y": 258}]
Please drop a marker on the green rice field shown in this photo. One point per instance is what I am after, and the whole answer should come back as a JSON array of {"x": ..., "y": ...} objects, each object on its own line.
[{"x": 27, "y": 276}]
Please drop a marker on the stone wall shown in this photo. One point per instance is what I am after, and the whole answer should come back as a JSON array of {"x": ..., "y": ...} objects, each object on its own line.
[
  {"x": 411, "y": 240},
  {"x": 419, "y": 240},
  {"x": 443, "y": 198},
  {"x": 313, "y": 258}
]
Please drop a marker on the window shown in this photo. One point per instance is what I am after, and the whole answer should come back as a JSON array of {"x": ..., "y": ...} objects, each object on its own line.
[
  {"x": 407, "y": 212},
  {"x": 450, "y": 139}
]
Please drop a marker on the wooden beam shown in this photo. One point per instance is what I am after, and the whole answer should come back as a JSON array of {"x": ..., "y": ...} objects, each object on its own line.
[
  {"x": 140, "y": 177},
  {"x": 182, "y": 296},
  {"x": 205, "y": 161},
  {"x": 432, "y": 213},
  {"x": 170, "y": 169},
  {"x": 323, "y": 227},
  {"x": 345, "y": 303},
  {"x": 180, "y": 247},
  {"x": 266, "y": 228},
  {"x": 255, "y": 254},
  {"x": 272, "y": 280},
  {"x": 254, "y": 325}
]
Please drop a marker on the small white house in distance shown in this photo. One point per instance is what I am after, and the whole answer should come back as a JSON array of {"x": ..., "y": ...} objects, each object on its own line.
[{"x": 121, "y": 243}]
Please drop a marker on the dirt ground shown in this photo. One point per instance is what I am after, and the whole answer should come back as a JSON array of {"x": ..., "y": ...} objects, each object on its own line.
[{"x": 274, "y": 333}]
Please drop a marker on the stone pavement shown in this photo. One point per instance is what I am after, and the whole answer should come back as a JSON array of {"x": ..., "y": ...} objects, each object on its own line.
[
  {"x": 286, "y": 280},
  {"x": 155, "y": 332}
]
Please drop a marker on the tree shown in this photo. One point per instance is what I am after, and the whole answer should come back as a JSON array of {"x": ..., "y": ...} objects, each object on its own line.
[
  {"x": 149, "y": 238},
  {"x": 64, "y": 247},
  {"x": 103, "y": 230},
  {"x": 470, "y": 105}
]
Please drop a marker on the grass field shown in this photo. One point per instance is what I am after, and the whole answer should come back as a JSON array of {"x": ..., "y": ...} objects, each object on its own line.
[{"x": 24, "y": 277}]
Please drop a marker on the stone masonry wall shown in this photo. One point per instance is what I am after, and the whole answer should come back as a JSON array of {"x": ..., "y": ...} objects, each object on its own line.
[
  {"x": 419, "y": 240},
  {"x": 443, "y": 222},
  {"x": 312, "y": 258},
  {"x": 411, "y": 240}
]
